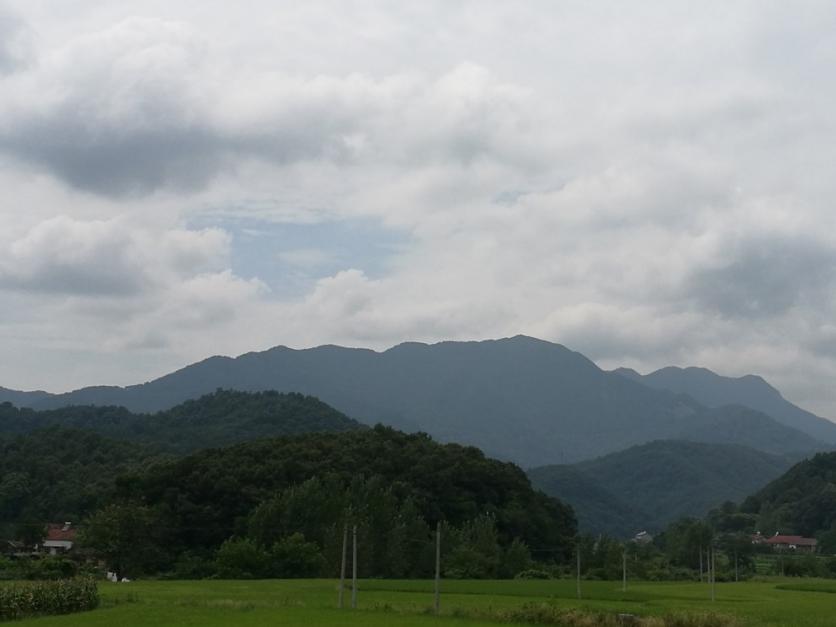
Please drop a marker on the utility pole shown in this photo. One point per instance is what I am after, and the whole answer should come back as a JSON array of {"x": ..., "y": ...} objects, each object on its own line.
[
  {"x": 712, "y": 564},
  {"x": 438, "y": 568},
  {"x": 354, "y": 569},
  {"x": 579, "y": 569},
  {"x": 700, "y": 563},
  {"x": 342, "y": 565},
  {"x": 624, "y": 570},
  {"x": 736, "y": 572}
]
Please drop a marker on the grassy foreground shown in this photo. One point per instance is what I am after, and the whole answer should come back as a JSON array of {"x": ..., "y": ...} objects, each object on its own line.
[{"x": 796, "y": 603}]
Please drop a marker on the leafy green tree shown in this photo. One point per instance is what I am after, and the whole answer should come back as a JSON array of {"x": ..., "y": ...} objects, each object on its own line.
[
  {"x": 827, "y": 542},
  {"x": 293, "y": 557},
  {"x": 476, "y": 553},
  {"x": 516, "y": 558},
  {"x": 127, "y": 536},
  {"x": 242, "y": 558},
  {"x": 686, "y": 540}
]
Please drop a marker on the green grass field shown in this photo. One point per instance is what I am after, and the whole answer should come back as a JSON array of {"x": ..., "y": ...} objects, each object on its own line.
[{"x": 310, "y": 603}]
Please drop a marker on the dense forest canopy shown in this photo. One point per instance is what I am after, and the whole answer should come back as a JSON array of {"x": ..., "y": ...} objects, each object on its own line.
[
  {"x": 269, "y": 506},
  {"x": 208, "y": 494},
  {"x": 59, "y": 474},
  {"x": 802, "y": 501},
  {"x": 219, "y": 419}
]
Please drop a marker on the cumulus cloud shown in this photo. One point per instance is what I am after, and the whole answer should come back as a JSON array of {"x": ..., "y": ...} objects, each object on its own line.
[
  {"x": 145, "y": 105},
  {"x": 112, "y": 258},
  {"x": 15, "y": 42},
  {"x": 647, "y": 184}
]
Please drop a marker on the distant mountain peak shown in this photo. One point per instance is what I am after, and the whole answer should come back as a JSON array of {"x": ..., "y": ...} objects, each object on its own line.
[{"x": 752, "y": 391}]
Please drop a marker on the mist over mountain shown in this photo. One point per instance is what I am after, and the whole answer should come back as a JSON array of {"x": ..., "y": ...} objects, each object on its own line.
[
  {"x": 521, "y": 399},
  {"x": 713, "y": 390},
  {"x": 648, "y": 486}
]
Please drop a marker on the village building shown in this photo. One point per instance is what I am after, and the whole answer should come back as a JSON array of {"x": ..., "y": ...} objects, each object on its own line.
[
  {"x": 59, "y": 539},
  {"x": 786, "y": 543}
]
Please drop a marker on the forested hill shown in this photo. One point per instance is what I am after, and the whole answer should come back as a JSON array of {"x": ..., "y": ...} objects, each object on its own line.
[
  {"x": 218, "y": 419},
  {"x": 395, "y": 486},
  {"x": 522, "y": 399},
  {"x": 649, "y": 486},
  {"x": 802, "y": 501},
  {"x": 57, "y": 474}
]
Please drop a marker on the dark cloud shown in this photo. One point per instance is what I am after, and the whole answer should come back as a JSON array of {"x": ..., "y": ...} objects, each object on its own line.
[
  {"x": 118, "y": 163},
  {"x": 766, "y": 277}
]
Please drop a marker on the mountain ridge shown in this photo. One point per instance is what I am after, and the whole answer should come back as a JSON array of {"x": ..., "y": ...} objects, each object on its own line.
[
  {"x": 521, "y": 399},
  {"x": 753, "y": 391}
]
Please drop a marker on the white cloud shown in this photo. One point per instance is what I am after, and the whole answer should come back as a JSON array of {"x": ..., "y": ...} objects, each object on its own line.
[{"x": 649, "y": 184}]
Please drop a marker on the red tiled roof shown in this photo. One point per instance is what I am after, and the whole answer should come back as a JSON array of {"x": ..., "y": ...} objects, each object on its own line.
[
  {"x": 796, "y": 540},
  {"x": 60, "y": 533}
]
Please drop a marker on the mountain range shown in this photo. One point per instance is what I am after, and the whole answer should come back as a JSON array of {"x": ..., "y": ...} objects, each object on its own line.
[
  {"x": 520, "y": 399},
  {"x": 713, "y": 390}
]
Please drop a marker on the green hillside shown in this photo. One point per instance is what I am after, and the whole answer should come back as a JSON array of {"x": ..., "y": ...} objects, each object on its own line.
[
  {"x": 649, "y": 486},
  {"x": 802, "y": 501},
  {"x": 218, "y": 419},
  {"x": 209, "y": 492}
]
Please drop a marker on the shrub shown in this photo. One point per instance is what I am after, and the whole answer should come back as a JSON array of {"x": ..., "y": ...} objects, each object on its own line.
[
  {"x": 545, "y": 614},
  {"x": 294, "y": 557},
  {"x": 242, "y": 558},
  {"x": 47, "y": 597},
  {"x": 533, "y": 573}
]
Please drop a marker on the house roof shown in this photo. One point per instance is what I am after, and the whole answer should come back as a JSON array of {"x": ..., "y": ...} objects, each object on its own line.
[
  {"x": 57, "y": 532},
  {"x": 796, "y": 540}
]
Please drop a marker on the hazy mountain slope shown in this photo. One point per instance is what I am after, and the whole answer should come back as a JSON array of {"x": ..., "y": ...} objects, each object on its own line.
[
  {"x": 22, "y": 399},
  {"x": 713, "y": 390},
  {"x": 655, "y": 483},
  {"x": 597, "y": 509},
  {"x": 746, "y": 427},
  {"x": 218, "y": 419},
  {"x": 522, "y": 399}
]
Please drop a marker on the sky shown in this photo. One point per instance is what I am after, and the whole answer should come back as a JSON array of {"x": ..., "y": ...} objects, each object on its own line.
[{"x": 649, "y": 183}]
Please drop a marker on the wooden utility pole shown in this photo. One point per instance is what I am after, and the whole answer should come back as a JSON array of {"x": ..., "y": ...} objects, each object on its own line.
[
  {"x": 438, "y": 568},
  {"x": 354, "y": 569},
  {"x": 342, "y": 565},
  {"x": 579, "y": 570}
]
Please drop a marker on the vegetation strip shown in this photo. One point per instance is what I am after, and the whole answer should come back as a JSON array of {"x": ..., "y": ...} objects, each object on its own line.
[{"x": 21, "y": 600}]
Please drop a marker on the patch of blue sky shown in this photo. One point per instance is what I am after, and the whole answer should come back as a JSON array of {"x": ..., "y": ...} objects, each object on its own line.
[{"x": 291, "y": 257}]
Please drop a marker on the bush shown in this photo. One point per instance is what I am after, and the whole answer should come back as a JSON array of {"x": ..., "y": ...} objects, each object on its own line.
[
  {"x": 242, "y": 558},
  {"x": 294, "y": 557},
  {"x": 47, "y": 597},
  {"x": 50, "y": 567},
  {"x": 533, "y": 573},
  {"x": 545, "y": 614}
]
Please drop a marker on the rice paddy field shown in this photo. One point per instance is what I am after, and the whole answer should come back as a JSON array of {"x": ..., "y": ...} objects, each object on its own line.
[{"x": 773, "y": 602}]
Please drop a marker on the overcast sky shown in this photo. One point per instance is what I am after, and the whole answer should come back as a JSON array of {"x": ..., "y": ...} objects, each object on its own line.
[{"x": 650, "y": 183}]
